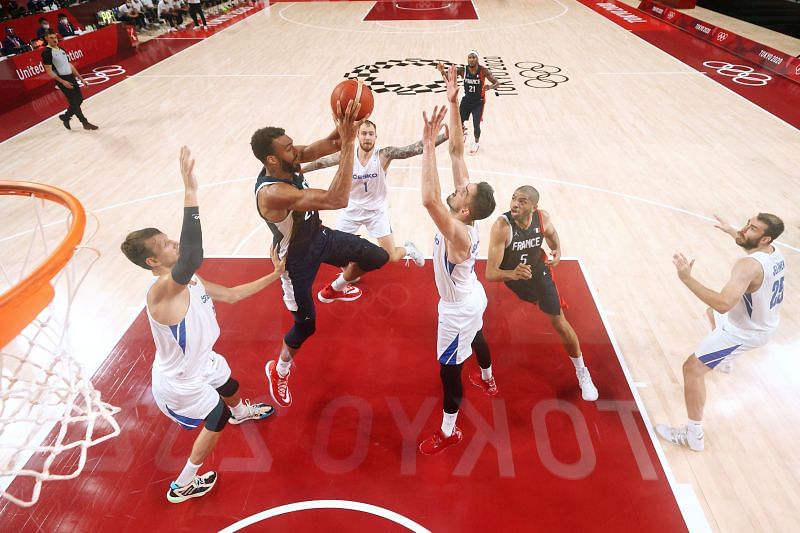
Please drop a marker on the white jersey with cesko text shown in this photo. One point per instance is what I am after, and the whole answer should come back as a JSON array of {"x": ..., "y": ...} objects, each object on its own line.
[
  {"x": 455, "y": 282},
  {"x": 184, "y": 350},
  {"x": 759, "y": 310},
  {"x": 368, "y": 190}
]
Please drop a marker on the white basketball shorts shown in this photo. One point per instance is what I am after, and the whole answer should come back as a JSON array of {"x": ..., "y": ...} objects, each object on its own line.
[
  {"x": 727, "y": 342},
  {"x": 458, "y": 324},
  {"x": 376, "y": 222},
  {"x": 189, "y": 402}
]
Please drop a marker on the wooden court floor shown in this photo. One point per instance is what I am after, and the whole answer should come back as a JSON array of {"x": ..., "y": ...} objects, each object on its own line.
[{"x": 632, "y": 155}]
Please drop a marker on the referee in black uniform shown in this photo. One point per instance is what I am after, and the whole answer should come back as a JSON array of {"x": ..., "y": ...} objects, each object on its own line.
[{"x": 59, "y": 68}]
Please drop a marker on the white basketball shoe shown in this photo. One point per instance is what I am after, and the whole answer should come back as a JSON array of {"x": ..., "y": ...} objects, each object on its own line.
[
  {"x": 413, "y": 253},
  {"x": 681, "y": 436}
]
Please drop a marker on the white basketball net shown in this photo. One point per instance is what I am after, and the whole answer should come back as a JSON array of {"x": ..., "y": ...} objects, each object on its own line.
[{"x": 50, "y": 414}]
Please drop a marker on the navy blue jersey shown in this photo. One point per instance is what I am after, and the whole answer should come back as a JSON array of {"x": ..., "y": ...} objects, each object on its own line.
[
  {"x": 474, "y": 84},
  {"x": 295, "y": 233}
]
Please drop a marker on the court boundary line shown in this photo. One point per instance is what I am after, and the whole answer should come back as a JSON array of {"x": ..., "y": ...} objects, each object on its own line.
[
  {"x": 675, "y": 59},
  {"x": 673, "y": 484}
]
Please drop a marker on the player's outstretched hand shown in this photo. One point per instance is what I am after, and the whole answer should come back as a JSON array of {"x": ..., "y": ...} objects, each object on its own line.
[
  {"x": 683, "y": 266},
  {"x": 522, "y": 271},
  {"x": 434, "y": 124},
  {"x": 451, "y": 82},
  {"x": 345, "y": 121},
  {"x": 555, "y": 258},
  {"x": 723, "y": 225},
  {"x": 187, "y": 169},
  {"x": 440, "y": 67},
  {"x": 278, "y": 263}
]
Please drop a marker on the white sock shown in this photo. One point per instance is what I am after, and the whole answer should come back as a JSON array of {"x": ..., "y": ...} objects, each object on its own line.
[
  {"x": 238, "y": 410},
  {"x": 448, "y": 423},
  {"x": 188, "y": 473},
  {"x": 695, "y": 427},
  {"x": 283, "y": 367},
  {"x": 339, "y": 283},
  {"x": 486, "y": 373},
  {"x": 577, "y": 361}
]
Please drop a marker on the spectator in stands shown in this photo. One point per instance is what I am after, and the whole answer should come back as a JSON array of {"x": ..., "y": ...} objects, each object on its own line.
[
  {"x": 35, "y": 6},
  {"x": 64, "y": 27},
  {"x": 196, "y": 8},
  {"x": 3, "y": 14},
  {"x": 15, "y": 10},
  {"x": 44, "y": 27},
  {"x": 150, "y": 12},
  {"x": 59, "y": 68},
  {"x": 128, "y": 13},
  {"x": 167, "y": 11},
  {"x": 13, "y": 44},
  {"x": 180, "y": 7}
]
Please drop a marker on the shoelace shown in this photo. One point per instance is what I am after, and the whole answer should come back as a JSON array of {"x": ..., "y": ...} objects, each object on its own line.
[
  {"x": 283, "y": 384},
  {"x": 249, "y": 408}
]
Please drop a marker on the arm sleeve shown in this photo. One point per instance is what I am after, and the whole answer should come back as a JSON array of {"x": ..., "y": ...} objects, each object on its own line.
[
  {"x": 191, "y": 247},
  {"x": 47, "y": 57}
]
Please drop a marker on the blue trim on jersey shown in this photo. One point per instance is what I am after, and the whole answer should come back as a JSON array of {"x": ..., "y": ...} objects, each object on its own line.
[
  {"x": 179, "y": 332},
  {"x": 448, "y": 357},
  {"x": 184, "y": 421},
  {"x": 748, "y": 303},
  {"x": 713, "y": 359},
  {"x": 450, "y": 266}
]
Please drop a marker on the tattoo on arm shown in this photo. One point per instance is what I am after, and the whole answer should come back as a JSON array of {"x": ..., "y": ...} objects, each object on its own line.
[
  {"x": 322, "y": 162},
  {"x": 404, "y": 152}
]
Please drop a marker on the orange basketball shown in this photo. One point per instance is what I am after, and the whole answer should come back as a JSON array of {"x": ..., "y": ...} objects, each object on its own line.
[{"x": 354, "y": 90}]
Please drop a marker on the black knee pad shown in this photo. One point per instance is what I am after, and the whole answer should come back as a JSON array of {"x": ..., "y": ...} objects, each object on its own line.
[
  {"x": 228, "y": 388},
  {"x": 299, "y": 333},
  {"x": 372, "y": 257},
  {"x": 218, "y": 417}
]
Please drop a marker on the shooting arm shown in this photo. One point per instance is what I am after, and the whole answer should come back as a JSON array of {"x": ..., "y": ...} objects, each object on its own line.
[{"x": 321, "y": 148}]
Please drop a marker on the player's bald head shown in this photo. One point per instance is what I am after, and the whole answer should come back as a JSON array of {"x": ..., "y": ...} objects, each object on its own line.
[{"x": 530, "y": 192}]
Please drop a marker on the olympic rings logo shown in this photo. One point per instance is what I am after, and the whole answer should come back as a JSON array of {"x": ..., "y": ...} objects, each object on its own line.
[
  {"x": 539, "y": 75},
  {"x": 100, "y": 75},
  {"x": 721, "y": 36},
  {"x": 741, "y": 74}
]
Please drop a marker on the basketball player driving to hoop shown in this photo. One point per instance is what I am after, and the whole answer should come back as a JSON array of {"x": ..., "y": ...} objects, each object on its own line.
[{"x": 291, "y": 210}]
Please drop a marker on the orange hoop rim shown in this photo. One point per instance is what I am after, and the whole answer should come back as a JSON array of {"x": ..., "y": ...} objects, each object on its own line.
[{"x": 58, "y": 258}]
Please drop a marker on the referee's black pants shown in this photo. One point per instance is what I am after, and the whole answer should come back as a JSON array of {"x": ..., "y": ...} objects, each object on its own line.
[{"x": 74, "y": 98}]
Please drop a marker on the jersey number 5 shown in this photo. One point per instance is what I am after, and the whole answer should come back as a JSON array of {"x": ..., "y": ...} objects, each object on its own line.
[{"x": 777, "y": 293}]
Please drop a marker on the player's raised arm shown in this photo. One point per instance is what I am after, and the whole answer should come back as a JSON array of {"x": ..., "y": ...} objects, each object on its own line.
[
  {"x": 456, "y": 143},
  {"x": 190, "y": 251},
  {"x": 497, "y": 243},
  {"x": 453, "y": 231},
  {"x": 240, "y": 292},
  {"x": 388, "y": 154},
  {"x": 329, "y": 145},
  {"x": 745, "y": 271},
  {"x": 322, "y": 162},
  {"x": 276, "y": 200}
]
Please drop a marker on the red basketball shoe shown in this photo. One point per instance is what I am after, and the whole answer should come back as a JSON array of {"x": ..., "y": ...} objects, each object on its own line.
[
  {"x": 328, "y": 295},
  {"x": 278, "y": 386},
  {"x": 438, "y": 442},
  {"x": 488, "y": 386}
]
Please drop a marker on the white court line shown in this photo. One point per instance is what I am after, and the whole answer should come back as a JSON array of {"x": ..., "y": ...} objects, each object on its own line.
[
  {"x": 222, "y": 76},
  {"x": 178, "y": 38},
  {"x": 678, "y": 61},
  {"x": 443, "y": 169},
  {"x": 690, "y": 72},
  {"x": 563, "y": 12},
  {"x": 686, "y": 498},
  {"x": 179, "y": 52},
  {"x": 327, "y": 504}
]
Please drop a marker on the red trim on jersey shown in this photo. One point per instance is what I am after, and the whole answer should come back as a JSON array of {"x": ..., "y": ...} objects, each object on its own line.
[{"x": 561, "y": 299}]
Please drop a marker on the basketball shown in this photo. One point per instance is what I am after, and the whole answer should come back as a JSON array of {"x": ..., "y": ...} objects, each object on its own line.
[{"x": 354, "y": 90}]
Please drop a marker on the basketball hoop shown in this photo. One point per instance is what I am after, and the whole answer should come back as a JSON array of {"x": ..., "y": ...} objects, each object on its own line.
[{"x": 48, "y": 405}]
